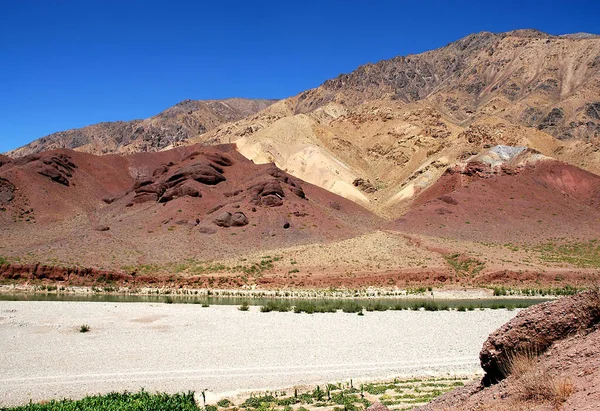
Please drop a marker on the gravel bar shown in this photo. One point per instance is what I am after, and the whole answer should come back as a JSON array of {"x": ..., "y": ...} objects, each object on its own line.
[{"x": 181, "y": 347}]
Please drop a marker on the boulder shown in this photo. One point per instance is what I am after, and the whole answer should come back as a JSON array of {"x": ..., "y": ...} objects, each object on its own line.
[
  {"x": 226, "y": 219},
  {"x": 535, "y": 329},
  {"x": 182, "y": 190}
]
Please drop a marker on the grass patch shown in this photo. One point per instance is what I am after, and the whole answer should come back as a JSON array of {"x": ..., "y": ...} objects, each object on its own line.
[
  {"x": 463, "y": 265},
  {"x": 578, "y": 254},
  {"x": 140, "y": 401},
  {"x": 84, "y": 328}
]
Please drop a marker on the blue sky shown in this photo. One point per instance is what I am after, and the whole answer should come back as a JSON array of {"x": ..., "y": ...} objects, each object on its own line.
[{"x": 67, "y": 64}]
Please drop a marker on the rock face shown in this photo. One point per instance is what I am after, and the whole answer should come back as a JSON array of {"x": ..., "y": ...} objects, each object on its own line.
[
  {"x": 481, "y": 71},
  {"x": 535, "y": 329}
]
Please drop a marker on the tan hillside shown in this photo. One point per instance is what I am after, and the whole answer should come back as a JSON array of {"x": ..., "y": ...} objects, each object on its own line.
[{"x": 388, "y": 130}]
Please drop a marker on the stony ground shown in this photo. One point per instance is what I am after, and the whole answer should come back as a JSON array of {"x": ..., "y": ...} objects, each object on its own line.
[{"x": 174, "y": 348}]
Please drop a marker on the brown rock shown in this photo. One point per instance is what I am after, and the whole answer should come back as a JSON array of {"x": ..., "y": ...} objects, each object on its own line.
[
  {"x": 202, "y": 173},
  {"x": 227, "y": 219},
  {"x": 364, "y": 185},
  {"x": 536, "y": 328},
  {"x": 183, "y": 190},
  {"x": 7, "y": 191},
  {"x": 4, "y": 160}
]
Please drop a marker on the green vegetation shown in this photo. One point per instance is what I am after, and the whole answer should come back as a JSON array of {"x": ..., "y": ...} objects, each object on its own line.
[
  {"x": 332, "y": 306},
  {"x": 84, "y": 328},
  {"x": 141, "y": 401},
  {"x": 244, "y": 306},
  {"x": 463, "y": 265},
  {"x": 578, "y": 254},
  {"x": 532, "y": 292},
  {"x": 195, "y": 267},
  {"x": 346, "y": 397},
  {"x": 280, "y": 306}
]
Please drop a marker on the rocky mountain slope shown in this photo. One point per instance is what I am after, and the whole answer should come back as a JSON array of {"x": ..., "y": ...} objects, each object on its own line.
[
  {"x": 181, "y": 122},
  {"x": 367, "y": 134}
]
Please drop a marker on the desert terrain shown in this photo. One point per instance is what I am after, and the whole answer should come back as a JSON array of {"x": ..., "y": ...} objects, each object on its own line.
[{"x": 470, "y": 170}]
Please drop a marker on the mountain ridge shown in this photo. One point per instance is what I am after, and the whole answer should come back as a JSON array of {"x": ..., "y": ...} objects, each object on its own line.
[{"x": 184, "y": 120}]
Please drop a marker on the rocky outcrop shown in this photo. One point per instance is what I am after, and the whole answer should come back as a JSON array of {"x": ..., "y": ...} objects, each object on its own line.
[
  {"x": 186, "y": 180},
  {"x": 535, "y": 329},
  {"x": 57, "y": 168},
  {"x": 30, "y": 272},
  {"x": 7, "y": 191},
  {"x": 226, "y": 219},
  {"x": 270, "y": 192},
  {"x": 364, "y": 185}
]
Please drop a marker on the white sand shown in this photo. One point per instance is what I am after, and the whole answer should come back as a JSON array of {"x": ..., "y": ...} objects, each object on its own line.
[{"x": 173, "y": 347}]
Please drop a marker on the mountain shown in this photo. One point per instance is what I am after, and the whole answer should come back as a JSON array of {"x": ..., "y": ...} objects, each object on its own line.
[
  {"x": 474, "y": 164},
  {"x": 369, "y": 134},
  {"x": 184, "y": 120}
]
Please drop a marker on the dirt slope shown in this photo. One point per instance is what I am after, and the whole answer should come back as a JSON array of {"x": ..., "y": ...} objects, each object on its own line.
[{"x": 184, "y": 120}]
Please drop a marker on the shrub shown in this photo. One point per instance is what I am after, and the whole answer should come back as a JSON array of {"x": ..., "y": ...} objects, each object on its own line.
[
  {"x": 244, "y": 306},
  {"x": 281, "y": 306},
  {"x": 84, "y": 328},
  {"x": 224, "y": 403},
  {"x": 352, "y": 307}
]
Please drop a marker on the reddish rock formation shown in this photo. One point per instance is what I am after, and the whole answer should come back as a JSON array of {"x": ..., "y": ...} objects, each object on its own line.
[
  {"x": 548, "y": 199},
  {"x": 159, "y": 203},
  {"x": 535, "y": 329},
  {"x": 559, "y": 366}
]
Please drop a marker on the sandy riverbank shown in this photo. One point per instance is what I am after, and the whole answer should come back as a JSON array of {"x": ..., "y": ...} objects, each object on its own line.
[{"x": 172, "y": 347}]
